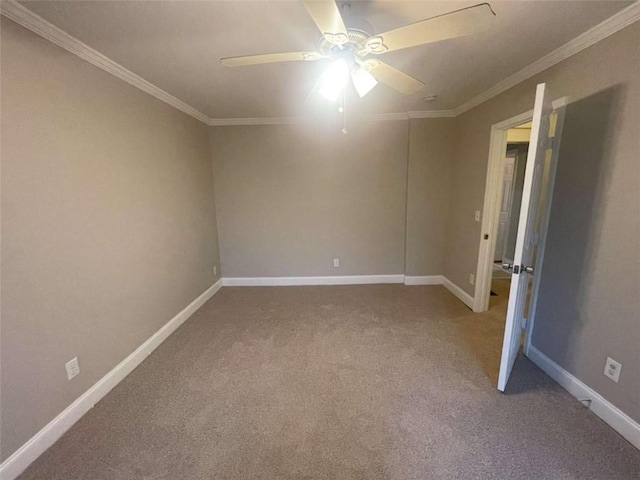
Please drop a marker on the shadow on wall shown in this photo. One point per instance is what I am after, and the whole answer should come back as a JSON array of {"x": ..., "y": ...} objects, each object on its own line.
[{"x": 582, "y": 181}]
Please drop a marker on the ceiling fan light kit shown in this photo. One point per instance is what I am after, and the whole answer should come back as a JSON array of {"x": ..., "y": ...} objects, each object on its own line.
[
  {"x": 363, "y": 81},
  {"x": 350, "y": 48},
  {"x": 334, "y": 80}
]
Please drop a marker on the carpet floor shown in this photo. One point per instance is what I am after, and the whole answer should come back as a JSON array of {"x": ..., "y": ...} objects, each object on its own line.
[{"x": 344, "y": 382}]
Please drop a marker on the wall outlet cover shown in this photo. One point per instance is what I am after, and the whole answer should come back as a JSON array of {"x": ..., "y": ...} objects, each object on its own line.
[
  {"x": 612, "y": 369},
  {"x": 73, "y": 368},
  {"x": 472, "y": 278},
  {"x": 336, "y": 262}
]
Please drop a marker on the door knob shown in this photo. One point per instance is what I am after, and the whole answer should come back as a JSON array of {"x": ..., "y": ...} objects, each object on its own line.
[
  {"x": 527, "y": 269},
  {"x": 507, "y": 266}
]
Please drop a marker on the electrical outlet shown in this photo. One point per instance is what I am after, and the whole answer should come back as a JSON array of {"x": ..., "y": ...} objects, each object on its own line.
[
  {"x": 477, "y": 215},
  {"x": 336, "y": 262},
  {"x": 215, "y": 270},
  {"x": 612, "y": 369},
  {"x": 472, "y": 278},
  {"x": 73, "y": 368}
]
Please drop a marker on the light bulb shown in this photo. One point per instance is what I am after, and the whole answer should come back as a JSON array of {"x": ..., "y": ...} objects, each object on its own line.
[
  {"x": 363, "y": 81},
  {"x": 334, "y": 80}
]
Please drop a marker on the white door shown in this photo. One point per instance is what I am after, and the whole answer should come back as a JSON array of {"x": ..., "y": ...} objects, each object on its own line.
[
  {"x": 505, "y": 206},
  {"x": 542, "y": 149}
]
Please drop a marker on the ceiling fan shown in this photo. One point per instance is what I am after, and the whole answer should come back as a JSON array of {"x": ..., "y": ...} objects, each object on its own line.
[{"x": 352, "y": 49}]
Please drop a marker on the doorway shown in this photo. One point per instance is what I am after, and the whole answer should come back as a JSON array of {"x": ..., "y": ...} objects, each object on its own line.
[
  {"x": 510, "y": 198},
  {"x": 512, "y": 183},
  {"x": 500, "y": 204}
]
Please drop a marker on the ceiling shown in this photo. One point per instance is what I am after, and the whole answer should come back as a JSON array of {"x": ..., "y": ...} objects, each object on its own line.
[{"x": 177, "y": 45}]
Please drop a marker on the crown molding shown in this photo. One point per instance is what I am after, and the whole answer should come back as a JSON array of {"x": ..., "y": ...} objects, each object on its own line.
[
  {"x": 386, "y": 117},
  {"x": 378, "y": 117},
  {"x": 432, "y": 114},
  {"x": 228, "y": 122},
  {"x": 411, "y": 115},
  {"x": 40, "y": 26},
  {"x": 25, "y": 17},
  {"x": 605, "y": 29}
]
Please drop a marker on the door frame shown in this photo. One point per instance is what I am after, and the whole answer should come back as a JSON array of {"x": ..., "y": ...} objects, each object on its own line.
[{"x": 490, "y": 211}]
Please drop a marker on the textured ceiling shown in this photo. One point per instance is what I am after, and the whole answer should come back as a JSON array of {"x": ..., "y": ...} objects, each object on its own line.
[{"x": 177, "y": 45}]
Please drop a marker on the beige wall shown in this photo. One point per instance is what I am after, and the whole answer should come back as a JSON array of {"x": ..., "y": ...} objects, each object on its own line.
[
  {"x": 108, "y": 225},
  {"x": 589, "y": 300},
  {"x": 291, "y": 198},
  {"x": 429, "y": 183}
]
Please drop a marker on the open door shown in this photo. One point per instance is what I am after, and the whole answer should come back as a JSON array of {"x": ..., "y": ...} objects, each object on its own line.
[{"x": 543, "y": 152}]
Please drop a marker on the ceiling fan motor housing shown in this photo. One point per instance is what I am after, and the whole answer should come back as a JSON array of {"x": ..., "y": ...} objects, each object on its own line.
[{"x": 356, "y": 47}]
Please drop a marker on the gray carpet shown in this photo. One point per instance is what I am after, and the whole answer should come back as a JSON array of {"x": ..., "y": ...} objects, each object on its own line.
[{"x": 345, "y": 382}]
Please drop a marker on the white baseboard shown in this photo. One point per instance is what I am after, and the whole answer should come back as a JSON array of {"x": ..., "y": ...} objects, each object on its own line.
[
  {"x": 291, "y": 281},
  {"x": 458, "y": 292},
  {"x": 41, "y": 441},
  {"x": 610, "y": 414},
  {"x": 423, "y": 280},
  {"x": 350, "y": 280}
]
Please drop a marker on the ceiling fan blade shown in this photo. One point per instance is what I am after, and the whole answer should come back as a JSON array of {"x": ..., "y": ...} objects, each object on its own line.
[
  {"x": 450, "y": 25},
  {"x": 270, "y": 58},
  {"x": 396, "y": 79},
  {"x": 326, "y": 15}
]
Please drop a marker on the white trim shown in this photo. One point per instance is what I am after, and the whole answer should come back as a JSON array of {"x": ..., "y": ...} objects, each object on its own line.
[
  {"x": 229, "y": 122},
  {"x": 608, "y": 27},
  {"x": 432, "y": 114},
  {"x": 490, "y": 211},
  {"x": 610, "y": 414},
  {"x": 378, "y": 117},
  {"x": 385, "y": 117},
  {"x": 41, "y": 441},
  {"x": 423, "y": 280},
  {"x": 290, "y": 281},
  {"x": 25, "y": 17},
  {"x": 458, "y": 292},
  {"x": 412, "y": 114}
]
